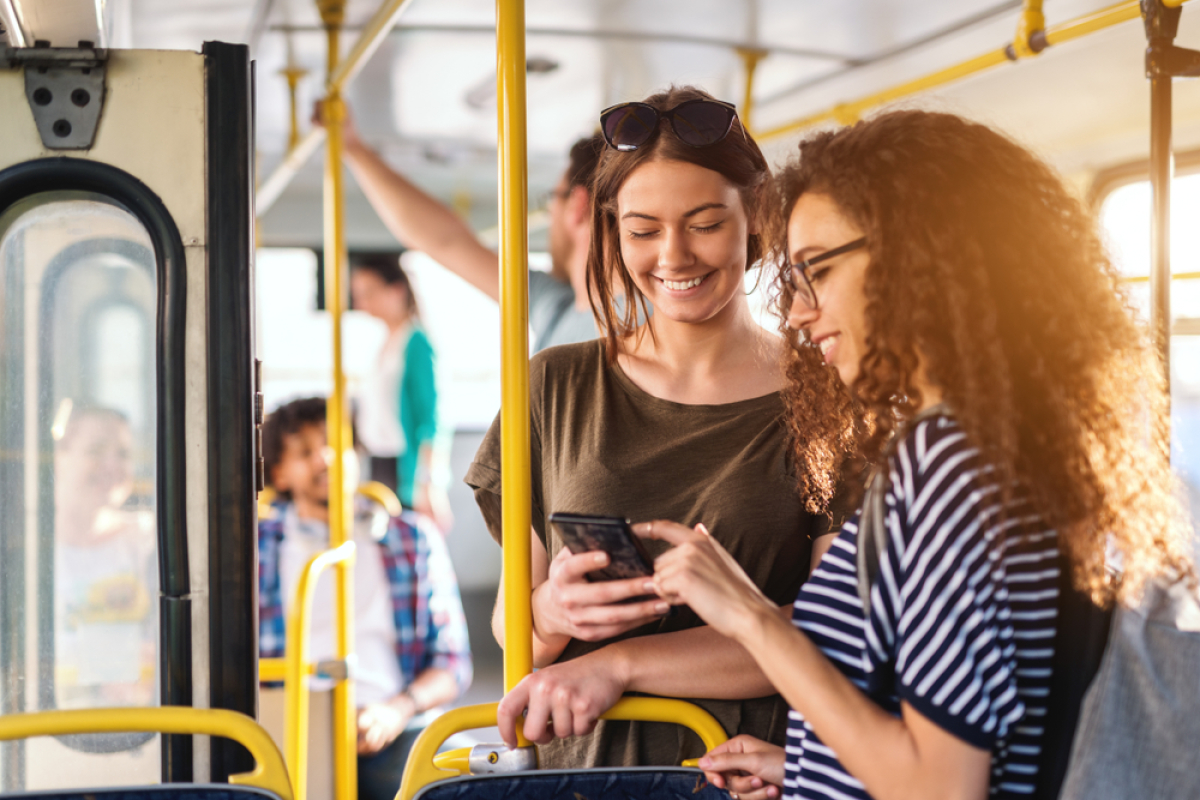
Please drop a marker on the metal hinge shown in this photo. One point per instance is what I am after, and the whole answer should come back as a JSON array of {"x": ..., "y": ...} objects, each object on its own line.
[
  {"x": 260, "y": 468},
  {"x": 65, "y": 88},
  {"x": 1163, "y": 57}
]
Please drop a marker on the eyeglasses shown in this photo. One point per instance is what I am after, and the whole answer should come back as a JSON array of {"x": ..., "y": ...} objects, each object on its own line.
[
  {"x": 797, "y": 274},
  {"x": 545, "y": 199},
  {"x": 699, "y": 123}
]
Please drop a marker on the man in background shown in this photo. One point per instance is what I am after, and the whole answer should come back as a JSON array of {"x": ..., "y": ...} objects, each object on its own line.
[
  {"x": 410, "y": 634},
  {"x": 559, "y": 309}
]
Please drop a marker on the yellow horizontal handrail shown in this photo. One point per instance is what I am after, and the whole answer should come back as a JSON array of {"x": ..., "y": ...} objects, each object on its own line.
[
  {"x": 1177, "y": 276},
  {"x": 1096, "y": 21},
  {"x": 425, "y": 766},
  {"x": 298, "y": 666},
  {"x": 848, "y": 113},
  {"x": 372, "y": 490},
  {"x": 661, "y": 709},
  {"x": 269, "y": 772},
  {"x": 271, "y": 670}
]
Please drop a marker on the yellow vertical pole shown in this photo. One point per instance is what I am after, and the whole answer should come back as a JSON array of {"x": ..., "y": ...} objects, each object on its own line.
[
  {"x": 345, "y": 728},
  {"x": 750, "y": 58},
  {"x": 293, "y": 75},
  {"x": 514, "y": 344},
  {"x": 295, "y": 717},
  {"x": 1031, "y": 21}
]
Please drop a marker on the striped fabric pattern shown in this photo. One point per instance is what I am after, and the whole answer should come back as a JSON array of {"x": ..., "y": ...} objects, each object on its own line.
[{"x": 962, "y": 622}]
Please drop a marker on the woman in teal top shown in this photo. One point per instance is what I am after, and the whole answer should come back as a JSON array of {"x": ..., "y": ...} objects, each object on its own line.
[{"x": 398, "y": 413}]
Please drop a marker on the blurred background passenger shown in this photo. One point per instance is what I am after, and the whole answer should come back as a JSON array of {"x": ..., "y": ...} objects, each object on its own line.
[
  {"x": 409, "y": 631},
  {"x": 559, "y": 309},
  {"x": 105, "y": 584},
  {"x": 398, "y": 406}
]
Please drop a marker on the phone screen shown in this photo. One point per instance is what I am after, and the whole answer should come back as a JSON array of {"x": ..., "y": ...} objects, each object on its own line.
[{"x": 582, "y": 533}]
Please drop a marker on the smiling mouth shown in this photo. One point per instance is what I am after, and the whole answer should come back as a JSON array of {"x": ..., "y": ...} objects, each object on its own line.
[
  {"x": 682, "y": 286},
  {"x": 827, "y": 344}
]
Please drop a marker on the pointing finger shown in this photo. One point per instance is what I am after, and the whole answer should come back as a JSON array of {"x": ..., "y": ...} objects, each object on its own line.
[{"x": 666, "y": 531}]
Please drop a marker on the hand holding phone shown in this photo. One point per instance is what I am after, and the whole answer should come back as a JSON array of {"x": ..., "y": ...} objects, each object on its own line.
[
  {"x": 580, "y": 601},
  {"x": 582, "y": 533}
]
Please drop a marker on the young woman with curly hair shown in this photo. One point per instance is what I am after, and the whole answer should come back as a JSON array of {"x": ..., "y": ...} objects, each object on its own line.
[
  {"x": 678, "y": 412},
  {"x": 945, "y": 271}
]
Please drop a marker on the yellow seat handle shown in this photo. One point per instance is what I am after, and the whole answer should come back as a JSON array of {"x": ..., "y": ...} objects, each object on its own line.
[
  {"x": 425, "y": 766},
  {"x": 381, "y": 494},
  {"x": 459, "y": 760},
  {"x": 269, "y": 772},
  {"x": 372, "y": 490}
]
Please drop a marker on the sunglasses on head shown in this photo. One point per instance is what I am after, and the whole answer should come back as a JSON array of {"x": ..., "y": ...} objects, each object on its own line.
[{"x": 699, "y": 123}]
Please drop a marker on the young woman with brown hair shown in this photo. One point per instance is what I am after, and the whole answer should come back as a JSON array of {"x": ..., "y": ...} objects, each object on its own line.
[
  {"x": 944, "y": 271},
  {"x": 681, "y": 415}
]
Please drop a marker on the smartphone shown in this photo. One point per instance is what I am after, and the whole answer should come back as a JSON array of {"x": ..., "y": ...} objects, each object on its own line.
[{"x": 584, "y": 532}]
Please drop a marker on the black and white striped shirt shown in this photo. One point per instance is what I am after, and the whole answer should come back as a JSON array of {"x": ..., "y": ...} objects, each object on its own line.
[{"x": 963, "y": 616}]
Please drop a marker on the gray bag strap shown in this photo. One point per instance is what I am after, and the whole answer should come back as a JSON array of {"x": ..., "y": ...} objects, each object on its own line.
[{"x": 872, "y": 533}]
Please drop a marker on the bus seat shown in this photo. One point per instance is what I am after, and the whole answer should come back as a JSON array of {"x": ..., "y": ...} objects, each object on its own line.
[
  {"x": 577, "y": 784},
  {"x": 267, "y": 781},
  {"x": 425, "y": 771},
  {"x": 170, "y": 791}
]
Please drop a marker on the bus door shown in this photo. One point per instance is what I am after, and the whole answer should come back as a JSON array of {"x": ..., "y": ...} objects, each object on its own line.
[{"x": 128, "y": 465}]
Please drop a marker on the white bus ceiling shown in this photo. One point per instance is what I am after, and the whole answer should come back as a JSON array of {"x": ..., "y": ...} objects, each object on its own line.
[{"x": 426, "y": 98}]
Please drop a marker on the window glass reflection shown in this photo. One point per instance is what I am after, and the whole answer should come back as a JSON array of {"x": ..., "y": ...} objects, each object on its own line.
[
  {"x": 78, "y": 579},
  {"x": 1126, "y": 216},
  {"x": 104, "y": 568}
]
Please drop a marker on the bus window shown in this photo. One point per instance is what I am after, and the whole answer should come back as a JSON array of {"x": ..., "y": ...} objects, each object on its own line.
[
  {"x": 77, "y": 505},
  {"x": 1125, "y": 216}
]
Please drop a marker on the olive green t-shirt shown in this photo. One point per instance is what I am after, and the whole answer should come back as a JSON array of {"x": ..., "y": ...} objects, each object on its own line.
[{"x": 601, "y": 445}]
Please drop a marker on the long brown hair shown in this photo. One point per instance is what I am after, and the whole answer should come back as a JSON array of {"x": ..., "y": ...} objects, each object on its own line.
[
  {"x": 821, "y": 438},
  {"x": 736, "y": 157},
  {"x": 985, "y": 264}
]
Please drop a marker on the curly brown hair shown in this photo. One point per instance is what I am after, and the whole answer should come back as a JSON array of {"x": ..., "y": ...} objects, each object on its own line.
[
  {"x": 985, "y": 264},
  {"x": 821, "y": 438}
]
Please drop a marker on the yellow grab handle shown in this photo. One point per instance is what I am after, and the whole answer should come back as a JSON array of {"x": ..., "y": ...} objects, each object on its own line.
[
  {"x": 297, "y": 665},
  {"x": 269, "y": 772},
  {"x": 380, "y": 493},
  {"x": 271, "y": 670},
  {"x": 421, "y": 769},
  {"x": 424, "y": 766},
  {"x": 681, "y": 712},
  {"x": 459, "y": 759}
]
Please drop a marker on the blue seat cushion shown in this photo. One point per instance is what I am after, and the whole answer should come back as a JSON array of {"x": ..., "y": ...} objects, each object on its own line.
[
  {"x": 166, "y": 791},
  {"x": 627, "y": 783}
]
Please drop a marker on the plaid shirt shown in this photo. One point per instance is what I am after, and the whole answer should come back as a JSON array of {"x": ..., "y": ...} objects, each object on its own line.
[{"x": 431, "y": 630}]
